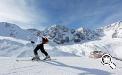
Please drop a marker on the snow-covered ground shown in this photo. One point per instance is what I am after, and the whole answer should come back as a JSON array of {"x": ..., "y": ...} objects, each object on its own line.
[{"x": 60, "y": 66}]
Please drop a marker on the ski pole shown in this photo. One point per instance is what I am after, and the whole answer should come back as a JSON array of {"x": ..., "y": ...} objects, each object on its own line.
[{"x": 32, "y": 42}]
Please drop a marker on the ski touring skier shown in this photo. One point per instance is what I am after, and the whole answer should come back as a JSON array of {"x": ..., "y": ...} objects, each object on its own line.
[{"x": 40, "y": 46}]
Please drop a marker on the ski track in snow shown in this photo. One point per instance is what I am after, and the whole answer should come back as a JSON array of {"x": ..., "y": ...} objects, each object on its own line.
[{"x": 61, "y": 66}]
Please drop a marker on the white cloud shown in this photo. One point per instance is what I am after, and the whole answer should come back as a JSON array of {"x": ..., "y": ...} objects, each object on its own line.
[{"x": 17, "y": 11}]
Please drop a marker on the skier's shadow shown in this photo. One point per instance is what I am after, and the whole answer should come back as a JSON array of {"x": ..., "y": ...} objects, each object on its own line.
[{"x": 87, "y": 70}]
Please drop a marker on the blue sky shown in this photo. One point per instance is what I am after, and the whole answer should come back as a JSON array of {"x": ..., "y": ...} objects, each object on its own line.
[{"x": 70, "y": 13}]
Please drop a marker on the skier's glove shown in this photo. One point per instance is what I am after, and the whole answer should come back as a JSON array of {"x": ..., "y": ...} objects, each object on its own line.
[{"x": 32, "y": 42}]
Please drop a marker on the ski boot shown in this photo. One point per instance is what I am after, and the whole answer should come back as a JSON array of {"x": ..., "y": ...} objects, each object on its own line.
[
  {"x": 36, "y": 58},
  {"x": 47, "y": 58}
]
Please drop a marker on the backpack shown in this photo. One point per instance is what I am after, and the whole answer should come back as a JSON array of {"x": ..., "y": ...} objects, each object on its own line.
[{"x": 45, "y": 40}]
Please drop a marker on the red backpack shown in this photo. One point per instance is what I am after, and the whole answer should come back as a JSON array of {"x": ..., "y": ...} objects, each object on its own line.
[{"x": 45, "y": 40}]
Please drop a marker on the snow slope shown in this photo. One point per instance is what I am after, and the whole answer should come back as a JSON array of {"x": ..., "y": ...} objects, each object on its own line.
[
  {"x": 12, "y": 47},
  {"x": 60, "y": 66},
  {"x": 113, "y": 30}
]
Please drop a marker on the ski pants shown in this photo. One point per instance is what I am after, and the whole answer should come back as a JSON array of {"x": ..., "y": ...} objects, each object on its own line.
[{"x": 41, "y": 47}]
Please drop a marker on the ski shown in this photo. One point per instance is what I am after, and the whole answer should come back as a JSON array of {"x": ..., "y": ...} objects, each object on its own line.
[{"x": 18, "y": 60}]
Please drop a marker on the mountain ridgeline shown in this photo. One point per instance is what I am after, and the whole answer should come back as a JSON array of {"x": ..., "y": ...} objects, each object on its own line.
[{"x": 60, "y": 34}]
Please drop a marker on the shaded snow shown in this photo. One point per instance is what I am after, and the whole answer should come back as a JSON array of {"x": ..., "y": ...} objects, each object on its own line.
[{"x": 60, "y": 66}]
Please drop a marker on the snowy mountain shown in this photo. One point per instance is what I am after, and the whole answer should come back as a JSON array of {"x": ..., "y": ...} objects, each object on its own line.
[
  {"x": 61, "y": 34},
  {"x": 110, "y": 40},
  {"x": 12, "y": 30},
  {"x": 58, "y": 34},
  {"x": 113, "y": 30},
  {"x": 83, "y": 34},
  {"x": 15, "y": 42}
]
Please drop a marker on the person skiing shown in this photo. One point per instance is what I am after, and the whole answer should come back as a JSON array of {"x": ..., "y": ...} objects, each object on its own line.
[{"x": 40, "y": 45}]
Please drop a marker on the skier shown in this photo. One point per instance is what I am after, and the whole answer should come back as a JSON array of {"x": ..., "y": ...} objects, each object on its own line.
[{"x": 40, "y": 45}]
